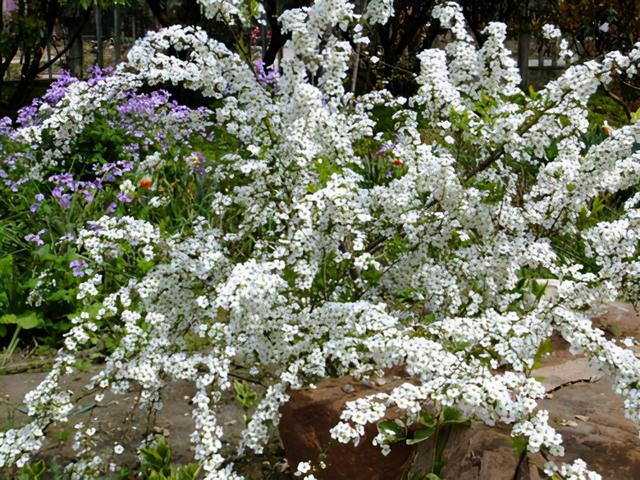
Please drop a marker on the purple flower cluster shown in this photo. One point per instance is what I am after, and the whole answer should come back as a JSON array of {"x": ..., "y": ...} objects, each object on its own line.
[
  {"x": 78, "y": 267},
  {"x": 58, "y": 89},
  {"x": 144, "y": 104},
  {"x": 65, "y": 186},
  {"x": 150, "y": 124},
  {"x": 98, "y": 74},
  {"x": 29, "y": 115},
  {"x": 111, "y": 171},
  {"x": 153, "y": 120},
  {"x": 123, "y": 197},
  {"x": 265, "y": 76},
  {"x": 11, "y": 164},
  {"x": 39, "y": 197},
  {"x": 35, "y": 237}
]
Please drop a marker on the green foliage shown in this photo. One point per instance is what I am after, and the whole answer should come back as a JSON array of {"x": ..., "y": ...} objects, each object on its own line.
[
  {"x": 157, "y": 464},
  {"x": 602, "y": 107},
  {"x": 102, "y": 142},
  {"x": 421, "y": 435},
  {"x": 33, "y": 472},
  {"x": 545, "y": 348},
  {"x": 247, "y": 397},
  {"x": 395, "y": 431},
  {"x": 392, "y": 431},
  {"x": 54, "y": 471},
  {"x": 424, "y": 476}
]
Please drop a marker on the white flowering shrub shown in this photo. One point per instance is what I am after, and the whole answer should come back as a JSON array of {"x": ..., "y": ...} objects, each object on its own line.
[{"x": 337, "y": 246}]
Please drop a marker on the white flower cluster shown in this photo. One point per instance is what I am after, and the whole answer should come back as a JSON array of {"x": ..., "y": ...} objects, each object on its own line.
[
  {"x": 107, "y": 236},
  {"x": 333, "y": 248},
  {"x": 227, "y": 10},
  {"x": 379, "y": 11},
  {"x": 575, "y": 471},
  {"x": 551, "y": 32}
]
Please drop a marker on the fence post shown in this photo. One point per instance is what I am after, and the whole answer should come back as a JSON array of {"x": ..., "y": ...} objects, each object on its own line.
[
  {"x": 100, "y": 51},
  {"x": 117, "y": 40},
  {"x": 524, "y": 38},
  {"x": 76, "y": 58},
  {"x": 50, "y": 69}
]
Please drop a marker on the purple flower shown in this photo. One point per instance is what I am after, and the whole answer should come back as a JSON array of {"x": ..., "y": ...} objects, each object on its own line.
[
  {"x": 265, "y": 77},
  {"x": 97, "y": 74},
  {"x": 65, "y": 179},
  {"x": 96, "y": 185},
  {"x": 198, "y": 161},
  {"x": 36, "y": 205},
  {"x": 27, "y": 115},
  {"x": 78, "y": 266},
  {"x": 387, "y": 147},
  {"x": 6, "y": 126},
  {"x": 88, "y": 195},
  {"x": 112, "y": 207},
  {"x": 65, "y": 201},
  {"x": 94, "y": 226},
  {"x": 69, "y": 237},
  {"x": 57, "y": 192},
  {"x": 58, "y": 89},
  {"x": 123, "y": 198},
  {"x": 143, "y": 104},
  {"x": 35, "y": 238}
]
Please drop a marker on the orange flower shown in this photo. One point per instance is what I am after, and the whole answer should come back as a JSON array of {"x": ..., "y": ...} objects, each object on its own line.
[
  {"x": 397, "y": 162},
  {"x": 146, "y": 183}
]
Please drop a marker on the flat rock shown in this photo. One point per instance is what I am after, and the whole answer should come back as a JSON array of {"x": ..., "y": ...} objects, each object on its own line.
[
  {"x": 573, "y": 370},
  {"x": 622, "y": 314},
  {"x": 590, "y": 418},
  {"x": 311, "y": 413}
]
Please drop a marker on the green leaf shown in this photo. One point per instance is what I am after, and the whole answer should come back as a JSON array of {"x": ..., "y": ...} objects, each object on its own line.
[
  {"x": 545, "y": 348},
  {"x": 28, "y": 320},
  {"x": 82, "y": 410},
  {"x": 189, "y": 472},
  {"x": 428, "y": 419},
  {"x": 613, "y": 329},
  {"x": 6, "y": 265},
  {"x": 425, "y": 476},
  {"x": 420, "y": 435},
  {"x": 247, "y": 397},
  {"x": 8, "y": 319},
  {"x": 452, "y": 415},
  {"x": 519, "y": 444},
  {"x": 391, "y": 431}
]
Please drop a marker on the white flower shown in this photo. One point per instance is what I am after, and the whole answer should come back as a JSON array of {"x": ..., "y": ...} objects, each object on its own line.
[
  {"x": 551, "y": 32},
  {"x": 303, "y": 467}
]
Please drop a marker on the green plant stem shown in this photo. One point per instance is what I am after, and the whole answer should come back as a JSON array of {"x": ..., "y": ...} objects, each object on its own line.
[{"x": 11, "y": 347}]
